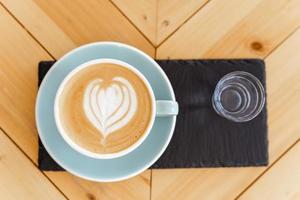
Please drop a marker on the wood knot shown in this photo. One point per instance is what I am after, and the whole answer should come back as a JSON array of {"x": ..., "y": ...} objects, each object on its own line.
[
  {"x": 145, "y": 17},
  {"x": 257, "y": 46},
  {"x": 146, "y": 180},
  {"x": 165, "y": 23},
  {"x": 91, "y": 196}
]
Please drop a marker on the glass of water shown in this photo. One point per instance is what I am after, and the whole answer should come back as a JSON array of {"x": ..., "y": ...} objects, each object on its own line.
[{"x": 239, "y": 96}]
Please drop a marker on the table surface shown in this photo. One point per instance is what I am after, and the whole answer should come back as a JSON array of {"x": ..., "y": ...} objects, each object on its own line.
[{"x": 44, "y": 30}]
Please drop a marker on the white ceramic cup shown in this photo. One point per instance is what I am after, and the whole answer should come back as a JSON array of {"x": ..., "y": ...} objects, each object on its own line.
[{"x": 160, "y": 108}]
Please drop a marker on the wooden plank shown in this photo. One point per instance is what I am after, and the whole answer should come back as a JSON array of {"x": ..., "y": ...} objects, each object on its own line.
[
  {"x": 77, "y": 188},
  {"x": 284, "y": 130},
  {"x": 158, "y": 19},
  {"x": 93, "y": 20},
  {"x": 20, "y": 179},
  {"x": 250, "y": 28},
  {"x": 282, "y": 181},
  {"x": 61, "y": 24},
  {"x": 173, "y": 13},
  {"x": 19, "y": 56},
  {"x": 27, "y": 13},
  {"x": 142, "y": 13}
]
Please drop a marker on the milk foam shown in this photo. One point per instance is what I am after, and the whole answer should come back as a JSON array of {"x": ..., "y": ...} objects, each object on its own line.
[{"x": 109, "y": 108}]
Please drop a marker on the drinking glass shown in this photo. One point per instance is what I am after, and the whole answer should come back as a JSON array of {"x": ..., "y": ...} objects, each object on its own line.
[{"x": 239, "y": 96}]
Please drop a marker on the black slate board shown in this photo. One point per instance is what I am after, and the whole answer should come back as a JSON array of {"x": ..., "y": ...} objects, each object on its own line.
[{"x": 201, "y": 137}]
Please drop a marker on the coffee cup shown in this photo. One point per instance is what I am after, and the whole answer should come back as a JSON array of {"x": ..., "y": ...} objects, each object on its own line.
[{"x": 105, "y": 108}]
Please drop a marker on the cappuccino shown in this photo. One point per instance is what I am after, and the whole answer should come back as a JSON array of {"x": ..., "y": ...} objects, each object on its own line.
[{"x": 105, "y": 108}]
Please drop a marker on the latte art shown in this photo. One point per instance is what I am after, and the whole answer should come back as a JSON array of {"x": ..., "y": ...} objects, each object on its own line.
[
  {"x": 105, "y": 108},
  {"x": 110, "y": 108}
]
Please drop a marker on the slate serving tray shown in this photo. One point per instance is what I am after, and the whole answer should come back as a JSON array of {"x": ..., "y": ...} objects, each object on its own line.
[{"x": 201, "y": 137}]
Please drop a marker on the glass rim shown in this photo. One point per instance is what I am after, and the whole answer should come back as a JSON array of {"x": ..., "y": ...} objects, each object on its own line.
[{"x": 258, "y": 85}]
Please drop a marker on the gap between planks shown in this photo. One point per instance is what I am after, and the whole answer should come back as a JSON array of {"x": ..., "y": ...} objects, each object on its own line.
[
  {"x": 29, "y": 33},
  {"x": 268, "y": 168},
  {"x": 156, "y": 24},
  {"x": 156, "y": 35},
  {"x": 32, "y": 162},
  {"x": 151, "y": 171},
  {"x": 180, "y": 25},
  {"x": 131, "y": 22},
  {"x": 280, "y": 43}
]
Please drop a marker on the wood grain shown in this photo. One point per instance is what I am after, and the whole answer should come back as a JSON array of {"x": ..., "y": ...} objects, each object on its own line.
[
  {"x": 250, "y": 28},
  {"x": 157, "y": 19},
  {"x": 93, "y": 20},
  {"x": 284, "y": 130},
  {"x": 142, "y": 13},
  {"x": 20, "y": 179},
  {"x": 19, "y": 56},
  {"x": 27, "y": 13},
  {"x": 77, "y": 188},
  {"x": 282, "y": 181},
  {"x": 62, "y": 25},
  {"x": 173, "y": 13}
]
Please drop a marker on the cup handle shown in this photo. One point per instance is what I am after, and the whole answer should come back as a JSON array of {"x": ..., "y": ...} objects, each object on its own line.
[{"x": 166, "y": 108}]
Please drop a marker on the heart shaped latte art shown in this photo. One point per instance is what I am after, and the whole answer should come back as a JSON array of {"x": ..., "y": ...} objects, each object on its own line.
[{"x": 109, "y": 108}]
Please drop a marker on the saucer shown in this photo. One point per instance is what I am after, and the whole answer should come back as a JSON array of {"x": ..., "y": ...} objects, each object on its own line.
[{"x": 104, "y": 170}]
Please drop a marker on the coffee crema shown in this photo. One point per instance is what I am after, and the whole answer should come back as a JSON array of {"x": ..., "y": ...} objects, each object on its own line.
[{"x": 105, "y": 108}]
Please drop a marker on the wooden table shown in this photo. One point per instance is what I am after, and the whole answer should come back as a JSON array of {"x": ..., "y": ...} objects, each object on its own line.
[{"x": 31, "y": 31}]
